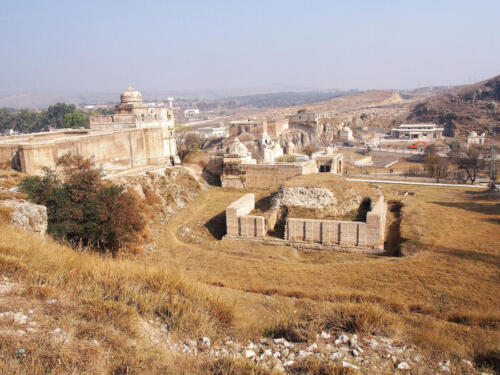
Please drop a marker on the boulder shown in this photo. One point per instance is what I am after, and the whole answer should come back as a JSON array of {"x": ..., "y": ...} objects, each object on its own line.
[{"x": 29, "y": 216}]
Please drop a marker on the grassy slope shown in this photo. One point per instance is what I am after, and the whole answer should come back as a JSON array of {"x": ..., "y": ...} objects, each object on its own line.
[
  {"x": 451, "y": 276},
  {"x": 444, "y": 296}
]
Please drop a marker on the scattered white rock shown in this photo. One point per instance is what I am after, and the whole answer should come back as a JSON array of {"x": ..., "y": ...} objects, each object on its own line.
[
  {"x": 288, "y": 363},
  {"x": 335, "y": 356},
  {"x": 325, "y": 335},
  {"x": 59, "y": 336},
  {"x": 355, "y": 353},
  {"x": 349, "y": 365},
  {"x": 205, "y": 341},
  {"x": 51, "y": 301},
  {"x": 249, "y": 354},
  {"x": 445, "y": 368},
  {"x": 467, "y": 362},
  {"x": 403, "y": 366},
  {"x": 312, "y": 347},
  {"x": 343, "y": 338}
]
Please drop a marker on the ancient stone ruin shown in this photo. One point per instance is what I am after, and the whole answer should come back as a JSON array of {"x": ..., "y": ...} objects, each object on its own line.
[{"x": 364, "y": 234}]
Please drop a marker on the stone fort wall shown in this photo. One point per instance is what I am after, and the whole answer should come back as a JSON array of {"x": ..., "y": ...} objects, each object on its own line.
[{"x": 112, "y": 150}]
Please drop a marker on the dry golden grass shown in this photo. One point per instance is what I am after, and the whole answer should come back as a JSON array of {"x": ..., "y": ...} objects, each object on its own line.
[
  {"x": 443, "y": 296},
  {"x": 104, "y": 299},
  {"x": 10, "y": 178}
]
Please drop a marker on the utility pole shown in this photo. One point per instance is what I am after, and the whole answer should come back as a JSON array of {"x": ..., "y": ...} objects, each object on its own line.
[{"x": 492, "y": 165}]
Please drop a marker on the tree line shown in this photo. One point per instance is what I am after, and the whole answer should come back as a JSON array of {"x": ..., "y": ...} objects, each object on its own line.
[{"x": 60, "y": 115}]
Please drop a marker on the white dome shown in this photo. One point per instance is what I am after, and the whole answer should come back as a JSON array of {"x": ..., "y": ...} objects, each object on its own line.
[
  {"x": 473, "y": 134},
  {"x": 290, "y": 144},
  {"x": 346, "y": 128},
  {"x": 131, "y": 95},
  {"x": 238, "y": 148}
]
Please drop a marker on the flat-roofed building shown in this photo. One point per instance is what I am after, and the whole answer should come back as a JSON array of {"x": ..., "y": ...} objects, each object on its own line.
[
  {"x": 192, "y": 114},
  {"x": 257, "y": 127},
  {"x": 417, "y": 131},
  {"x": 304, "y": 117},
  {"x": 209, "y": 131}
]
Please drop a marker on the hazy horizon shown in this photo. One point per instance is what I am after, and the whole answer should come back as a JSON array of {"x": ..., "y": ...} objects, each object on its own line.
[{"x": 101, "y": 47}]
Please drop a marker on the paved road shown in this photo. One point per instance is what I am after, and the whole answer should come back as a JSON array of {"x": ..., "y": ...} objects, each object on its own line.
[{"x": 415, "y": 183}]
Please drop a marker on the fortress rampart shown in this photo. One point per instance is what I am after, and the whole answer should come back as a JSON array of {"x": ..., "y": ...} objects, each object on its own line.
[{"x": 112, "y": 150}]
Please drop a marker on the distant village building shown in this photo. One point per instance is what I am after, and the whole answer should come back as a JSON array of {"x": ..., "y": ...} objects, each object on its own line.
[
  {"x": 257, "y": 127},
  {"x": 417, "y": 131},
  {"x": 209, "y": 131},
  {"x": 310, "y": 117},
  {"x": 192, "y": 114},
  {"x": 474, "y": 139},
  {"x": 346, "y": 134}
]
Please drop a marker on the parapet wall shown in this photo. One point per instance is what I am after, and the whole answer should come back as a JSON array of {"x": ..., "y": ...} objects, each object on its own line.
[
  {"x": 344, "y": 233},
  {"x": 239, "y": 224}
]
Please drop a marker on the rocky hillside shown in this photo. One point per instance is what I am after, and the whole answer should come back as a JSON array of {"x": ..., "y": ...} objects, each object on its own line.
[{"x": 462, "y": 109}]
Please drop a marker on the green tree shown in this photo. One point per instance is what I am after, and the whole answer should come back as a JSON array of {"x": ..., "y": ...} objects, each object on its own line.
[
  {"x": 77, "y": 119},
  {"x": 83, "y": 209},
  {"x": 56, "y": 113}
]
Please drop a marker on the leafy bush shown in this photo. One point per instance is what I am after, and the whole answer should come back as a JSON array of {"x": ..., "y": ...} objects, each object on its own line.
[{"x": 83, "y": 209}]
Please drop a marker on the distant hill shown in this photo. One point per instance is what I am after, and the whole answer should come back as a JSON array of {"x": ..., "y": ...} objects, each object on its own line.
[{"x": 463, "y": 108}]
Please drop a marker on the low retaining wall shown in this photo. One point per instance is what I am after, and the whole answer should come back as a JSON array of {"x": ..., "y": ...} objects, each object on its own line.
[
  {"x": 239, "y": 224},
  {"x": 347, "y": 236},
  {"x": 344, "y": 233}
]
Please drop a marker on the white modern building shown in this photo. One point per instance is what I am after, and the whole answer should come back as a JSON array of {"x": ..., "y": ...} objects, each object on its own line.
[
  {"x": 346, "y": 134},
  {"x": 417, "y": 131},
  {"x": 301, "y": 117},
  {"x": 208, "y": 132},
  {"x": 191, "y": 114}
]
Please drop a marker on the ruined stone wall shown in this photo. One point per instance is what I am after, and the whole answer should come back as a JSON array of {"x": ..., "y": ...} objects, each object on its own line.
[
  {"x": 375, "y": 221},
  {"x": 276, "y": 127},
  {"x": 7, "y": 154},
  {"x": 343, "y": 233},
  {"x": 112, "y": 150},
  {"x": 239, "y": 224},
  {"x": 263, "y": 175}
]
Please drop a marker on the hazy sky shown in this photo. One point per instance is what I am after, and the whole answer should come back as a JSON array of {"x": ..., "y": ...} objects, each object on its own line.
[{"x": 102, "y": 45}]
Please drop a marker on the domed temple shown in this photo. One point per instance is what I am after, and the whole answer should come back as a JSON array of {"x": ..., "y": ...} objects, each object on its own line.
[
  {"x": 138, "y": 134},
  {"x": 132, "y": 112}
]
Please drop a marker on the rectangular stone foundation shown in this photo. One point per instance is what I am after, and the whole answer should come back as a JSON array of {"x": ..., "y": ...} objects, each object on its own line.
[{"x": 346, "y": 236}]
